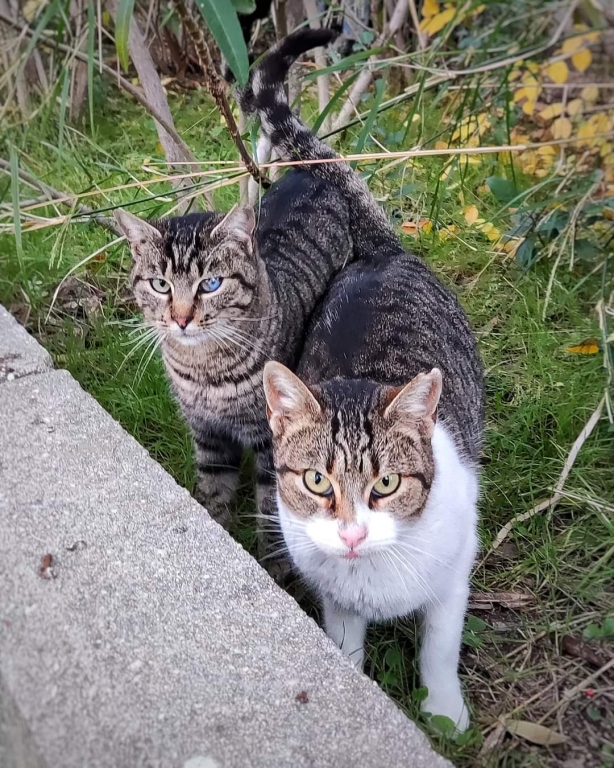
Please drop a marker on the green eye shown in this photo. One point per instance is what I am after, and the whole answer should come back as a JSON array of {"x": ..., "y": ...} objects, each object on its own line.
[
  {"x": 386, "y": 485},
  {"x": 160, "y": 286},
  {"x": 317, "y": 483}
]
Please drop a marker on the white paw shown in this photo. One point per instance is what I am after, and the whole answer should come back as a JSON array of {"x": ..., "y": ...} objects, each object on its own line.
[{"x": 451, "y": 705}]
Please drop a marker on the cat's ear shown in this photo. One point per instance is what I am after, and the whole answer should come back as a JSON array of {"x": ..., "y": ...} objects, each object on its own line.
[
  {"x": 288, "y": 399},
  {"x": 417, "y": 400},
  {"x": 238, "y": 224},
  {"x": 138, "y": 231}
]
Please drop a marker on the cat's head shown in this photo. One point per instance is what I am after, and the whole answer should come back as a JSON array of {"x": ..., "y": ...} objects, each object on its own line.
[
  {"x": 193, "y": 275},
  {"x": 354, "y": 459}
]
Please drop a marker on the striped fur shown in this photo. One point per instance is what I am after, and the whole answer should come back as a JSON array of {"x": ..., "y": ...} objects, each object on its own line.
[
  {"x": 395, "y": 395},
  {"x": 272, "y": 279}
]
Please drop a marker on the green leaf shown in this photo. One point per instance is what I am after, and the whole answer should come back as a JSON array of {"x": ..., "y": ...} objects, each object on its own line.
[
  {"x": 608, "y": 627},
  {"x": 368, "y": 126},
  {"x": 393, "y": 658},
  {"x": 592, "y": 632},
  {"x": 443, "y": 725},
  {"x": 586, "y": 250},
  {"x": 525, "y": 253},
  {"x": 343, "y": 64},
  {"x": 474, "y": 624},
  {"x": 502, "y": 189},
  {"x": 419, "y": 694},
  {"x": 473, "y": 641},
  {"x": 244, "y": 6},
  {"x": 221, "y": 18},
  {"x": 122, "y": 31},
  {"x": 331, "y": 104}
]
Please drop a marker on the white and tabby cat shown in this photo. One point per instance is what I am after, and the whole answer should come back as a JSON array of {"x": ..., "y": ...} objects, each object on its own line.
[{"x": 376, "y": 445}]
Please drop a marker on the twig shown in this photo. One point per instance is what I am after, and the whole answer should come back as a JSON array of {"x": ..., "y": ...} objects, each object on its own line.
[
  {"x": 366, "y": 76},
  {"x": 558, "y": 491},
  {"x": 416, "y": 22},
  {"x": 569, "y": 695},
  {"x": 216, "y": 87},
  {"x": 55, "y": 195}
]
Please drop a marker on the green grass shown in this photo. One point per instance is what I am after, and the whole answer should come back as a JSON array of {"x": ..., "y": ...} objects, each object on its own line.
[{"x": 538, "y": 395}]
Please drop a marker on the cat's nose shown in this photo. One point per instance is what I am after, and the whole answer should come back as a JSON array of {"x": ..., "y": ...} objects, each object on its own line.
[
  {"x": 352, "y": 535},
  {"x": 182, "y": 321}
]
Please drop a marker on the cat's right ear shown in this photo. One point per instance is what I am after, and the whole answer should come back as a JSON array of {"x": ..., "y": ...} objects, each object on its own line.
[
  {"x": 288, "y": 399},
  {"x": 138, "y": 232}
]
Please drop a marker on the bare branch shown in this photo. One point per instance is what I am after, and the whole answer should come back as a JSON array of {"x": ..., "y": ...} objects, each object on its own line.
[
  {"x": 311, "y": 11},
  {"x": 217, "y": 87}
]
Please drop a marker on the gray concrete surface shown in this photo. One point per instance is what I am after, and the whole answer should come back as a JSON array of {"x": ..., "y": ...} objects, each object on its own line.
[
  {"x": 156, "y": 641},
  {"x": 20, "y": 354}
]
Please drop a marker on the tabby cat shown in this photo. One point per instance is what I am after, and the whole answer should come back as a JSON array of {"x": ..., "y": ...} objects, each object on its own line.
[
  {"x": 376, "y": 441},
  {"x": 224, "y": 296}
]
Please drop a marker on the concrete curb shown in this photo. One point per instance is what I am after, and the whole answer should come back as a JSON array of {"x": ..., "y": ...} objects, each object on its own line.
[{"x": 152, "y": 638}]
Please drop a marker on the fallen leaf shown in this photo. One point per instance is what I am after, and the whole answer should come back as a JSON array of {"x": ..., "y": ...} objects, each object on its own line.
[
  {"x": 436, "y": 23},
  {"x": 471, "y": 214},
  {"x": 573, "y": 646},
  {"x": 558, "y": 72},
  {"x": 575, "y": 107},
  {"x": 572, "y": 44},
  {"x": 413, "y": 227},
  {"x": 561, "y": 128},
  {"x": 582, "y": 60},
  {"x": 586, "y": 347},
  {"x": 430, "y": 8},
  {"x": 552, "y": 111},
  {"x": 590, "y": 94},
  {"x": 536, "y": 734},
  {"x": 528, "y": 107}
]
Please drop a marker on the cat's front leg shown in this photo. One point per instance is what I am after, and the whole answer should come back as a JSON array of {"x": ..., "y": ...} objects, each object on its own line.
[
  {"x": 347, "y": 630},
  {"x": 442, "y": 630},
  {"x": 217, "y": 464}
]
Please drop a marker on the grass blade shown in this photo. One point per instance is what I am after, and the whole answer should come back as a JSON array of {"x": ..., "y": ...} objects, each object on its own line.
[
  {"x": 16, "y": 212},
  {"x": 368, "y": 126},
  {"x": 91, "y": 35},
  {"x": 63, "y": 105},
  {"x": 345, "y": 63},
  {"x": 122, "y": 31},
  {"x": 333, "y": 102},
  {"x": 221, "y": 18}
]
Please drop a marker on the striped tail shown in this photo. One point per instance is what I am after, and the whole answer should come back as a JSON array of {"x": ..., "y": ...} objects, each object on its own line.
[{"x": 291, "y": 139}]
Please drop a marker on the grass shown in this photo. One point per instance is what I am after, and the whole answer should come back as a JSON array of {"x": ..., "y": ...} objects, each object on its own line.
[{"x": 539, "y": 395}]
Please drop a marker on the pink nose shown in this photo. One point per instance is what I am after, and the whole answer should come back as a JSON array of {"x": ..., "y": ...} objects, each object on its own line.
[
  {"x": 353, "y": 535},
  {"x": 182, "y": 322}
]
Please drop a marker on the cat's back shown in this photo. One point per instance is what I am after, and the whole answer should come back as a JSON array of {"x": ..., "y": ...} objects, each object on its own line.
[{"x": 387, "y": 321}]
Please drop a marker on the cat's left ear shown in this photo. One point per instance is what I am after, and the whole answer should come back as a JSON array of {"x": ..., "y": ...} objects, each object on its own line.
[
  {"x": 418, "y": 400},
  {"x": 288, "y": 399},
  {"x": 138, "y": 231},
  {"x": 238, "y": 224}
]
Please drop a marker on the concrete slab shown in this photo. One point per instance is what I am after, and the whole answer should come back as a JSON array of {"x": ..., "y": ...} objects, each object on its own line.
[
  {"x": 20, "y": 354},
  {"x": 153, "y": 639}
]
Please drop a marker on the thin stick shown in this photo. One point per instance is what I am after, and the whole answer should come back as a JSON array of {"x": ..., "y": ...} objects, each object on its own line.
[
  {"x": 216, "y": 87},
  {"x": 558, "y": 491},
  {"x": 319, "y": 54},
  {"x": 569, "y": 695}
]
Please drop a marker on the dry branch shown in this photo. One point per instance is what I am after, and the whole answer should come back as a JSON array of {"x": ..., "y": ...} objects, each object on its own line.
[
  {"x": 56, "y": 196},
  {"x": 366, "y": 76},
  {"x": 311, "y": 11},
  {"x": 217, "y": 87}
]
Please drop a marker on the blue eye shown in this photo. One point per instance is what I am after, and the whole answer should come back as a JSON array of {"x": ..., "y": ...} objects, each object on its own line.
[{"x": 210, "y": 284}]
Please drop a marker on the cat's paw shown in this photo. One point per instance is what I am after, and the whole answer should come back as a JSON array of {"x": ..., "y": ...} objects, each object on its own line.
[{"x": 449, "y": 705}]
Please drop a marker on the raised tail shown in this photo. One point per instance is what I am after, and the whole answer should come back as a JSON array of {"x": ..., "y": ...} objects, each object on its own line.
[{"x": 291, "y": 139}]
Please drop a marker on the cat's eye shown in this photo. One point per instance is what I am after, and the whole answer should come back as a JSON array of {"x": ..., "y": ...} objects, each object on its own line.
[
  {"x": 210, "y": 284},
  {"x": 386, "y": 485},
  {"x": 317, "y": 483},
  {"x": 161, "y": 286}
]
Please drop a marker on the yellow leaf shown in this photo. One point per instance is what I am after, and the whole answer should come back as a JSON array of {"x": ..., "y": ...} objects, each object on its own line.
[
  {"x": 436, "y": 23},
  {"x": 528, "y": 107},
  {"x": 413, "y": 227},
  {"x": 586, "y": 347},
  {"x": 536, "y": 734},
  {"x": 551, "y": 111},
  {"x": 572, "y": 44},
  {"x": 561, "y": 128},
  {"x": 441, "y": 145},
  {"x": 430, "y": 8},
  {"x": 558, "y": 72},
  {"x": 582, "y": 60},
  {"x": 590, "y": 94},
  {"x": 471, "y": 214},
  {"x": 574, "y": 107}
]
